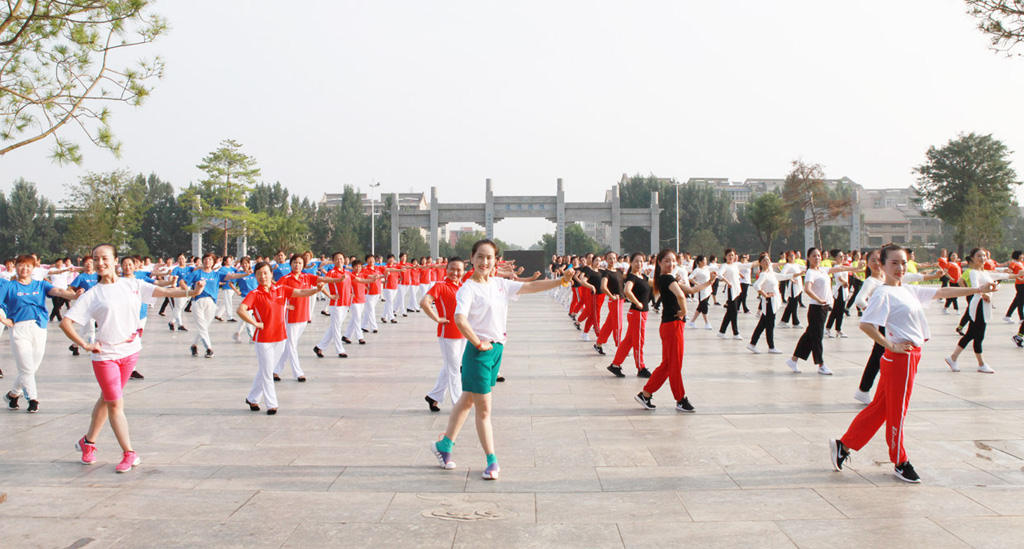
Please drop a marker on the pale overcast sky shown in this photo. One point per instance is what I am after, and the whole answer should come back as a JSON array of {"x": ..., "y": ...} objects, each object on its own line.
[{"x": 417, "y": 94}]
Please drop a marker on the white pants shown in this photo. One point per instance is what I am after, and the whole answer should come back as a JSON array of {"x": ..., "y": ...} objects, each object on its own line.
[
  {"x": 291, "y": 350},
  {"x": 392, "y": 302},
  {"x": 247, "y": 328},
  {"x": 424, "y": 288},
  {"x": 355, "y": 324},
  {"x": 312, "y": 304},
  {"x": 177, "y": 307},
  {"x": 28, "y": 343},
  {"x": 267, "y": 355},
  {"x": 370, "y": 312},
  {"x": 334, "y": 330},
  {"x": 226, "y": 303},
  {"x": 203, "y": 311},
  {"x": 449, "y": 379},
  {"x": 411, "y": 303}
]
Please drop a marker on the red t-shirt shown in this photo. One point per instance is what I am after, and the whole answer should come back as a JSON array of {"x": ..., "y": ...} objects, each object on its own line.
[
  {"x": 439, "y": 272},
  {"x": 342, "y": 291},
  {"x": 954, "y": 271},
  {"x": 267, "y": 306},
  {"x": 416, "y": 273},
  {"x": 990, "y": 265},
  {"x": 406, "y": 274},
  {"x": 1016, "y": 267},
  {"x": 391, "y": 282},
  {"x": 358, "y": 288},
  {"x": 444, "y": 301},
  {"x": 300, "y": 281},
  {"x": 376, "y": 286}
]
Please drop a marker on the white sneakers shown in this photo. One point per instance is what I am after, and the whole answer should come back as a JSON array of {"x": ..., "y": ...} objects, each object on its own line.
[
  {"x": 753, "y": 348},
  {"x": 986, "y": 369},
  {"x": 708, "y": 327},
  {"x": 792, "y": 365},
  {"x": 828, "y": 334},
  {"x": 721, "y": 335},
  {"x": 823, "y": 370},
  {"x": 841, "y": 335},
  {"x": 1007, "y": 320},
  {"x": 691, "y": 324},
  {"x": 862, "y": 397},
  {"x": 952, "y": 365},
  {"x": 774, "y": 351},
  {"x": 585, "y": 336}
]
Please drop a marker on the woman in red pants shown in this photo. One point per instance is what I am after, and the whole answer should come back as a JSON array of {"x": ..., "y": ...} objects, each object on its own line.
[
  {"x": 673, "y": 318},
  {"x": 900, "y": 308},
  {"x": 638, "y": 292}
]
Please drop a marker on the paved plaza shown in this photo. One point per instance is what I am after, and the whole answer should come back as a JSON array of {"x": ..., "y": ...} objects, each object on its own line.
[{"x": 345, "y": 463}]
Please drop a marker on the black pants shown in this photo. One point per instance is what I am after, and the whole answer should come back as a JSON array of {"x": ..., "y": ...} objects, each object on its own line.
[
  {"x": 765, "y": 324},
  {"x": 855, "y": 284},
  {"x": 167, "y": 301},
  {"x": 790, "y": 311},
  {"x": 743, "y": 297},
  {"x": 810, "y": 342},
  {"x": 58, "y": 302},
  {"x": 874, "y": 363},
  {"x": 702, "y": 306},
  {"x": 783, "y": 286},
  {"x": 838, "y": 311},
  {"x": 1018, "y": 302},
  {"x": 714, "y": 290},
  {"x": 975, "y": 332},
  {"x": 966, "y": 317},
  {"x": 731, "y": 311}
]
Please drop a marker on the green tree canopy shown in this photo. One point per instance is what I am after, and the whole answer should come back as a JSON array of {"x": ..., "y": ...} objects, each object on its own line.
[
  {"x": 61, "y": 66},
  {"x": 769, "y": 216},
  {"x": 220, "y": 200},
  {"x": 27, "y": 222},
  {"x": 969, "y": 184},
  {"x": 163, "y": 224},
  {"x": 107, "y": 207}
]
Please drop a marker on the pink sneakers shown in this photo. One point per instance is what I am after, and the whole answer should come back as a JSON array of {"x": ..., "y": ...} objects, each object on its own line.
[
  {"x": 88, "y": 450},
  {"x": 129, "y": 460}
]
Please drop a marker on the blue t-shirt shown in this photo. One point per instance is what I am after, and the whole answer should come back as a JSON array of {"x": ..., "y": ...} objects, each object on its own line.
[
  {"x": 281, "y": 271},
  {"x": 85, "y": 281},
  {"x": 143, "y": 276},
  {"x": 246, "y": 285},
  {"x": 227, "y": 270},
  {"x": 212, "y": 279},
  {"x": 22, "y": 302}
]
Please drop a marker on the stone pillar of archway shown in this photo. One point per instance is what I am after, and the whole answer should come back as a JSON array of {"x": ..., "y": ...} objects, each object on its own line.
[
  {"x": 616, "y": 223},
  {"x": 395, "y": 231},
  {"x": 560, "y": 219},
  {"x": 489, "y": 212},
  {"x": 655, "y": 223},
  {"x": 434, "y": 245}
]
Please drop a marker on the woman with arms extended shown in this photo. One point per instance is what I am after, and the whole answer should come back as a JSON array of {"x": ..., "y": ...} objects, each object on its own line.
[
  {"x": 900, "y": 308},
  {"x": 114, "y": 304},
  {"x": 481, "y": 313}
]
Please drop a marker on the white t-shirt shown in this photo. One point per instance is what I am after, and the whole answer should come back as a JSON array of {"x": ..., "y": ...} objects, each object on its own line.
[
  {"x": 40, "y": 273},
  {"x": 115, "y": 308},
  {"x": 796, "y": 284},
  {"x": 901, "y": 310},
  {"x": 745, "y": 272},
  {"x": 61, "y": 280},
  {"x": 730, "y": 272},
  {"x": 486, "y": 306},
  {"x": 977, "y": 278},
  {"x": 681, "y": 272},
  {"x": 819, "y": 282},
  {"x": 701, "y": 275}
]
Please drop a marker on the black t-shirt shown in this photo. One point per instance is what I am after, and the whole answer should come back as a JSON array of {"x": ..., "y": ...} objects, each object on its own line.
[
  {"x": 669, "y": 303},
  {"x": 593, "y": 278},
  {"x": 615, "y": 283},
  {"x": 641, "y": 291}
]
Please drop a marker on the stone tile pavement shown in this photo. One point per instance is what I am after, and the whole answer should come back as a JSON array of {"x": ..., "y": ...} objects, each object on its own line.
[{"x": 345, "y": 462}]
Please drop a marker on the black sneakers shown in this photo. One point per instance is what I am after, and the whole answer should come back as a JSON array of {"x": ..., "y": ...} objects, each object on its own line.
[
  {"x": 838, "y": 453},
  {"x": 195, "y": 350},
  {"x": 598, "y": 348},
  {"x": 12, "y": 402},
  {"x": 209, "y": 353},
  {"x": 905, "y": 472},
  {"x": 684, "y": 406},
  {"x": 617, "y": 370},
  {"x": 74, "y": 350},
  {"x": 643, "y": 372},
  {"x": 171, "y": 326},
  {"x": 137, "y": 375},
  {"x": 432, "y": 403},
  {"x": 33, "y": 406},
  {"x": 645, "y": 401}
]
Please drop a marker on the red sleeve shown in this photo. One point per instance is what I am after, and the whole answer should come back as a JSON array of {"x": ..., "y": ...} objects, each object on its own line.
[{"x": 249, "y": 300}]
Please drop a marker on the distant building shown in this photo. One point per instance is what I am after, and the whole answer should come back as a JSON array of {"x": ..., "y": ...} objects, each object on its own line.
[{"x": 406, "y": 201}]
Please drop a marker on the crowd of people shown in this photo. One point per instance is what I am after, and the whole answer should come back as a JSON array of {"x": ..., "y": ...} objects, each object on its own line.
[{"x": 102, "y": 305}]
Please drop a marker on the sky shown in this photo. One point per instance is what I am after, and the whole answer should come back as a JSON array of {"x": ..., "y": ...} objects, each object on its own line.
[{"x": 417, "y": 95}]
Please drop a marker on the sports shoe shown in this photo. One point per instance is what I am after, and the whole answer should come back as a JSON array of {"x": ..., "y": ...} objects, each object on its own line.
[
  {"x": 236, "y": 337},
  {"x": 841, "y": 335},
  {"x": 136, "y": 375},
  {"x": 774, "y": 351},
  {"x": 721, "y": 335},
  {"x": 617, "y": 370},
  {"x": 182, "y": 329},
  {"x": 88, "y": 450},
  {"x": 986, "y": 369},
  {"x": 782, "y": 326},
  {"x": 708, "y": 327},
  {"x": 862, "y": 397},
  {"x": 737, "y": 336},
  {"x": 585, "y": 336},
  {"x": 691, "y": 325},
  {"x": 823, "y": 370},
  {"x": 171, "y": 326},
  {"x": 598, "y": 348},
  {"x": 952, "y": 365},
  {"x": 684, "y": 406},
  {"x": 945, "y": 311},
  {"x": 753, "y": 348},
  {"x": 33, "y": 406},
  {"x": 905, "y": 472},
  {"x": 1016, "y": 339},
  {"x": 209, "y": 353},
  {"x": 644, "y": 401},
  {"x": 1007, "y": 320},
  {"x": 838, "y": 452},
  {"x": 491, "y": 472},
  {"x": 792, "y": 365},
  {"x": 443, "y": 458},
  {"x": 828, "y": 334},
  {"x": 129, "y": 460},
  {"x": 195, "y": 350},
  {"x": 12, "y": 402},
  {"x": 643, "y": 372}
]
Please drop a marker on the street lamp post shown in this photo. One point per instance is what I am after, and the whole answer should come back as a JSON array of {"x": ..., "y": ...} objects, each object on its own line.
[
  {"x": 677, "y": 217},
  {"x": 373, "y": 238}
]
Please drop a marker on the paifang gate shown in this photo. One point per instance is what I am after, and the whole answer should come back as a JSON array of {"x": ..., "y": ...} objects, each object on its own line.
[{"x": 553, "y": 208}]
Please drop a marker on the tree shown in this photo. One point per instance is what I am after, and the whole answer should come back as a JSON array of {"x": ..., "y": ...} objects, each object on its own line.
[
  {"x": 220, "y": 201},
  {"x": 27, "y": 222},
  {"x": 163, "y": 224},
  {"x": 969, "y": 184},
  {"x": 411, "y": 242},
  {"x": 1001, "y": 20},
  {"x": 60, "y": 69},
  {"x": 704, "y": 242},
  {"x": 805, "y": 189},
  {"x": 769, "y": 216},
  {"x": 702, "y": 208},
  {"x": 108, "y": 208},
  {"x": 577, "y": 242}
]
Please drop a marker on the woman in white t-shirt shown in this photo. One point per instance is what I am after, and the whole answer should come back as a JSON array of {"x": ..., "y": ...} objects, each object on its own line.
[
  {"x": 900, "y": 308},
  {"x": 817, "y": 287},
  {"x": 701, "y": 274},
  {"x": 114, "y": 304},
  {"x": 481, "y": 313},
  {"x": 978, "y": 310}
]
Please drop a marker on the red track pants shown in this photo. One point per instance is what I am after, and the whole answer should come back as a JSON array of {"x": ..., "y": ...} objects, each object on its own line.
[
  {"x": 577, "y": 304},
  {"x": 634, "y": 340},
  {"x": 612, "y": 324},
  {"x": 594, "y": 318},
  {"x": 889, "y": 405},
  {"x": 671, "y": 366}
]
